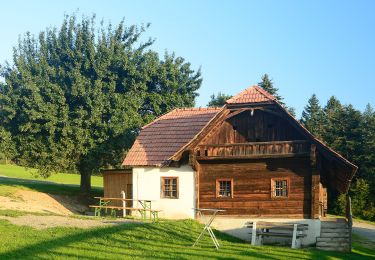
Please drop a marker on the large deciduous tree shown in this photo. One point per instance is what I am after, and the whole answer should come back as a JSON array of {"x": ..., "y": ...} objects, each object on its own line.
[{"x": 76, "y": 96}]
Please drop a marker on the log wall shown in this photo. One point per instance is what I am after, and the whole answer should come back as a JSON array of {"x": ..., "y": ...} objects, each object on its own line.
[
  {"x": 252, "y": 187},
  {"x": 261, "y": 127}
]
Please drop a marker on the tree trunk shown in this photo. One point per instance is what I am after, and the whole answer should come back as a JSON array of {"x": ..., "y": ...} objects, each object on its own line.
[{"x": 85, "y": 186}]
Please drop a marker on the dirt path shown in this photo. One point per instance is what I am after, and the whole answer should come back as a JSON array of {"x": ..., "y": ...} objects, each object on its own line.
[
  {"x": 364, "y": 230},
  {"x": 42, "y": 222},
  {"x": 34, "y": 201}
]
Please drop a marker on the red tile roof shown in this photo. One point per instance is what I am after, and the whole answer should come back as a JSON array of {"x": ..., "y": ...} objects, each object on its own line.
[
  {"x": 254, "y": 94},
  {"x": 162, "y": 138}
]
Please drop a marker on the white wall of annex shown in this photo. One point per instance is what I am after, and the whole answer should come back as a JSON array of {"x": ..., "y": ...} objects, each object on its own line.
[{"x": 146, "y": 186}]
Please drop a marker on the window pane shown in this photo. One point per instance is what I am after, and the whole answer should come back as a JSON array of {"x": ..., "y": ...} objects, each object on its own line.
[
  {"x": 280, "y": 188},
  {"x": 225, "y": 189},
  {"x": 169, "y": 188}
]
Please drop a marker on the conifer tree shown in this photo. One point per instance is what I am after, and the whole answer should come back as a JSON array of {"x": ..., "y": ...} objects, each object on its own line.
[
  {"x": 219, "y": 100},
  {"x": 267, "y": 85},
  {"x": 312, "y": 116},
  {"x": 367, "y": 160}
]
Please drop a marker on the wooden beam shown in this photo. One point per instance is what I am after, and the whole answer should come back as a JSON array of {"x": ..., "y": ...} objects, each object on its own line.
[
  {"x": 257, "y": 156},
  {"x": 315, "y": 180}
]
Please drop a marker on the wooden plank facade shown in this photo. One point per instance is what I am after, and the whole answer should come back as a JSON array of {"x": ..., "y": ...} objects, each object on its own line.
[
  {"x": 116, "y": 181},
  {"x": 251, "y": 150},
  {"x": 251, "y": 157},
  {"x": 252, "y": 187}
]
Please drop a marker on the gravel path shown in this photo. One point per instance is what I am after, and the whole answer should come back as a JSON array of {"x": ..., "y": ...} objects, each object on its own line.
[
  {"x": 42, "y": 222},
  {"x": 364, "y": 230}
]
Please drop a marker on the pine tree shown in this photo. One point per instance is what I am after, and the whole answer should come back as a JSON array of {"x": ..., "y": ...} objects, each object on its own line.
[
  {"x": 343, "y": 129},
  {"x": 268, "y": 86},
  {"x": 367, "y": 160},
  {"x": 312, "y": 116},
  {"x": 219, "y": 100}
]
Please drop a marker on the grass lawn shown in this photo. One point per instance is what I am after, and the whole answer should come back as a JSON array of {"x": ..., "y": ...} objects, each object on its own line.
[
  {"x": 163, "y": 240},
  {"x": 15, "y": 171},
  {"x": 18, "y": 177},
  {"x": 8, "y": 186}
]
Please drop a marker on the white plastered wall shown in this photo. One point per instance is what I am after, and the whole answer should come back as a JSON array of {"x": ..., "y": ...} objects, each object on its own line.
[{"x": 146, "y": 186}]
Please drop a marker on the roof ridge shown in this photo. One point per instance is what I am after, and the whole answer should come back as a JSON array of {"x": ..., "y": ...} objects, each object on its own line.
[
  {"x": 197, "y": 108},
  {"x": 253, "y": 94},
  {"x": 180, "y": 109},
  {"x": 264, "y": 92}
]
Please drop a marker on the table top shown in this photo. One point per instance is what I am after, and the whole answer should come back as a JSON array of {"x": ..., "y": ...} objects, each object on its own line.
[
  {"x": 121, "y": 199},
  {"x": 215, "y": 210}
]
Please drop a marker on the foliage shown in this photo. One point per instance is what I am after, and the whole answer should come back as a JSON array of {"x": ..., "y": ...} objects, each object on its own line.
[
  {"x": 219, "y": 100},
  {"x": 367, "y": 158},
  {"x": 77, "y": 95},
  {"x": 267, "y": 85},
  {"x": 7, "y": 146},
  {"x": 362, "y": 205},
  {"x": 163, "y": 240},
  {"x": 312, "y": 116},
  {"x": 352, "y": 134}
]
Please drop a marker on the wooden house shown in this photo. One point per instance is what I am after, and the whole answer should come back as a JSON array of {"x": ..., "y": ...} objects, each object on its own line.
[{"x": 250, "y": 157}]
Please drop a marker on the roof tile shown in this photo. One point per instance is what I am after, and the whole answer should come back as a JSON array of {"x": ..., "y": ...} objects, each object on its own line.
[
  {"x": 254, "y": 94},
  {"x": 162, "y": 138}
]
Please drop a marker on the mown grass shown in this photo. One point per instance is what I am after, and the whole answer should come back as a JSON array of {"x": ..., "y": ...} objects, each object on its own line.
[
  {"x": 15, "y": 171},
  {"x": 163, "y": 240},
  {"x": 11, "y": 185}
]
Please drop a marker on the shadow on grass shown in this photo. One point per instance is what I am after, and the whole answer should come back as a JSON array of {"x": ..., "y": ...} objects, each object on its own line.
[
  {"x": 47, "y": 187},
  {"x": 163, "y": 240}
]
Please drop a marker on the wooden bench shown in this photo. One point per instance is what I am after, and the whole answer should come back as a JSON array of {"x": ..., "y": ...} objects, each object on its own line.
[
  {"x": 153, "y": 212},
  {"x": 296, "y": 231}
]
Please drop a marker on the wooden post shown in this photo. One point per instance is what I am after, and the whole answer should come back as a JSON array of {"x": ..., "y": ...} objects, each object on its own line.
[
  {"x": 123, "y": 203},
  {"x": 315, "y": 180},
  {"x": 254, "y": 234},
  {"x": 349, "y": 219},
  {"x": 294, "y": 239}
]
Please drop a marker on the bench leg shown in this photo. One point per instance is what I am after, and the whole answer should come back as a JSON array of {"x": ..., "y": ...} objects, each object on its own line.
[
  {"x": 294, "y": 239},
  {"x": 155, "y": 216},
  {"x": 254, "y": 234},
  {"x": 97, "y": 212}
]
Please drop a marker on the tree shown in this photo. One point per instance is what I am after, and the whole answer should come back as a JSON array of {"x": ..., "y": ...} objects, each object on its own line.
[
  {"x": 219, "y": 100},
  {"x": 77, "y": 96},
  {"x": 267, "y": 85},
  {"x": 7, "y": 146},
  {"x": 367, "y": 158},
  {"x": 312, "y": 116}
]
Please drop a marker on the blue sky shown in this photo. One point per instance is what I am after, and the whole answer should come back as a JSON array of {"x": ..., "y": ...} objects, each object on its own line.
[{"x": 322, "y": 47}]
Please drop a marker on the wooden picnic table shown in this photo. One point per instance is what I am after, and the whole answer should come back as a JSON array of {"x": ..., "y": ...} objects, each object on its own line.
[
  {"x": 145, "y": 207},
  {"x": 277, "y": 229}
]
